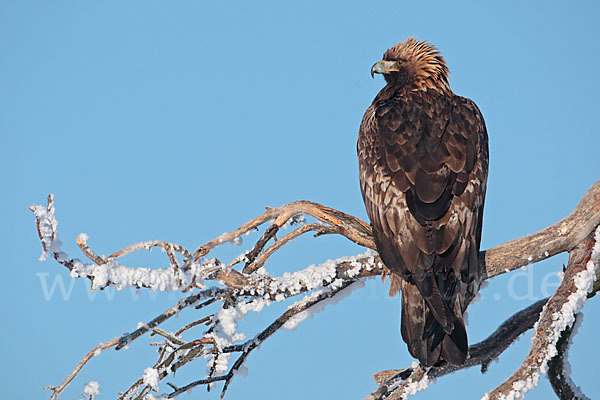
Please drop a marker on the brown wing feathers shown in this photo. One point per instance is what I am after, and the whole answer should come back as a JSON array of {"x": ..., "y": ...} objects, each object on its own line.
[{"x": 423, "y": 165}]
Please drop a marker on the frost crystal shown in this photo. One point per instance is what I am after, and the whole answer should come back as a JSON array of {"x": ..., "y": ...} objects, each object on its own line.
[
  {"x": 150, "y": 396},
  {"x": 521, "y": 387},
  {"x": 225, "y": 332},
  {"x": 413, "y": 387},
  {"x": 92, "y": 388},
  {"x": 280, "y": 297},
  {"x": 567, "y": 367},
  {"x": 151, "y": 378},
  {"x": 48, "y": 229},
  {"x": 313, "y": 278},
  {"x": 584, "y": 281},
  {"x": 293, "y": 322},
  {"x": 121, "y": 276},
  {"x": 112, "y": 272}
]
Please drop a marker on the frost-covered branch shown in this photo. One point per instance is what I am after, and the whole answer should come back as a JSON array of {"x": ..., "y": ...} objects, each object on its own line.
[
  {"x": 398, "y": 384},
  {"x": 240, "y": 293},
  {"x": 288, "y": 320},
  {"x": 236, "y": 293},
  {"x": 393, "y": 383},
  {"x": 104, "y": 272},
  {"x": 559, "y": 369},
  {"x": 208, "y": 296},
  {"x": 480, "y": 354},
  {"x": 560, "y": 237},
  {"x": 558, "y": 315}
]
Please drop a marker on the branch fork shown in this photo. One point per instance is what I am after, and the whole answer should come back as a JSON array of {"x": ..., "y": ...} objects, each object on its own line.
[{"x": 252, "y": 288}]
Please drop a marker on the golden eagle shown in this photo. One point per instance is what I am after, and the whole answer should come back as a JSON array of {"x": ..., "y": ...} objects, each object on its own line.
[{"x": 423, "y": 162}]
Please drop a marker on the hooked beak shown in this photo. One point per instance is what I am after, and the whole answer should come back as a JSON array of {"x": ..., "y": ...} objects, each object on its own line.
[{"x": 384, "y": 67}]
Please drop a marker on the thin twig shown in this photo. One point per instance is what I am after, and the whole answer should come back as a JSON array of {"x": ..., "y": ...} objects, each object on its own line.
[
  {"x": 89, "y": 253},
  {"x": 192, "y": 324},
  {"x": 282, "y": 214},
  {"x": 57, "y": 390},
  {"x": 168, "y": 336},
  {"x": 148, "y": 245},
  {"x": 181, "y": 304},
  {"x": 262, "y": 258},
  {"x": 192, "y": 385},
  {"x": 247, "y": 347},
  {"x": 259, "y": 246}
]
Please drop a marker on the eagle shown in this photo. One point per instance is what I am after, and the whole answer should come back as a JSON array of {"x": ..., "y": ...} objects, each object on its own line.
[{"x": 423, "y": 165}]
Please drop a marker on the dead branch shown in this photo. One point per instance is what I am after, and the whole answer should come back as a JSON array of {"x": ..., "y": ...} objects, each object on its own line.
[
  {"x": 559, "y": 373},
  {"x": 353, "y": 228},
  {"x": 57, "y": 390},
  {"x": 169, "y": 248},
  {"x": 563, "y": 236},
  {"x": 552, "y": 322},
  {"x": 489, "y": 349},
  {"x": 252, "y": 344},
  {"x": 480, "y": 354},
  {"x": 181, "y": 304},
  {"x": 560, "y": 237},
  {"x": 255, "y": 262},
  {"x": 237, "y": 290}
]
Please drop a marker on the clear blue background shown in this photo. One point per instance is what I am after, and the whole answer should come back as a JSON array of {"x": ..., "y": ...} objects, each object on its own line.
[{"x": 181, "y": 120}]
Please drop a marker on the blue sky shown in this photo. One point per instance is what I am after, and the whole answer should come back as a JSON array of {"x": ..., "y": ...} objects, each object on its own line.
[{"x": 181, "y": 120}]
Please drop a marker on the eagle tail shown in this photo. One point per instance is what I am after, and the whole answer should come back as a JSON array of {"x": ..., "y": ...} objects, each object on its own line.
[{"x": 427, "y": 340}]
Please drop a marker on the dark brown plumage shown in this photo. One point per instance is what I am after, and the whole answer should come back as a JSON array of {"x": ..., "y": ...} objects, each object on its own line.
[{"x": 423, "y": 161}]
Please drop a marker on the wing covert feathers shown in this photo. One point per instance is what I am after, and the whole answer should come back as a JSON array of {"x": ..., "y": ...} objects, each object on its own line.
[{"x": 423, "y": 161}]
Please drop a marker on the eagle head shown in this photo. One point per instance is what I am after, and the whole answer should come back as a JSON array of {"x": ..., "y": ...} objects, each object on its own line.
[{"x": 414, "y": 64}]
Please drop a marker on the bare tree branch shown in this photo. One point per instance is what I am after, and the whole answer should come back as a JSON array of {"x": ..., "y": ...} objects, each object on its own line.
[
  {"x": 252, "y": 344},
  {"x": 559, "y": 373},
  {"x": 558, "y": 314},
  {"x": 184, "y": 303},
  {"x": 237, "y": 292},
  {"x": 560, "y": 237},
  {"x": 57, "y": 390},
  {"x": 482, "y": 353},
  {"x": 353, "y": 228},
  {"x": 489, "y": 349}
]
